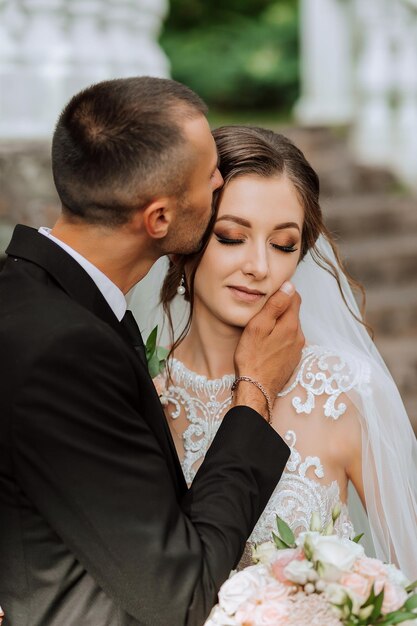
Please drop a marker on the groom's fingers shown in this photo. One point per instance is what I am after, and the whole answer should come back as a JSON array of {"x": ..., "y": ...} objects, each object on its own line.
[
  {"x": 270, "y": 346},
  {"x": 283, "y": 300}
]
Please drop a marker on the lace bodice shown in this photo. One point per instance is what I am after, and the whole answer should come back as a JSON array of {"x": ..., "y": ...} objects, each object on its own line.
[{"x": 195, "y": 406}]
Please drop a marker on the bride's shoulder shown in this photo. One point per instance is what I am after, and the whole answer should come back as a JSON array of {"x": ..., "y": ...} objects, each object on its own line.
[{"x": 329, "y": 374}]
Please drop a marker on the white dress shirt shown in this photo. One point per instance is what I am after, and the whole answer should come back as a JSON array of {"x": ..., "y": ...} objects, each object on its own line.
[{"x": 111, "y": 293}]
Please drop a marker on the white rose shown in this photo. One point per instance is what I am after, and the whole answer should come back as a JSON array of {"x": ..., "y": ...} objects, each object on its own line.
[
  {"x": 298, "y": 571},
  {"x": 265, "y": 553},
  {"x": 241, "y": 587},
  {"x": 334, "y": 551},
  {"x": 218, "y": 617}
]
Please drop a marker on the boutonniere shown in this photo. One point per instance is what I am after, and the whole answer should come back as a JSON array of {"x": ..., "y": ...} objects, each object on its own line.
[{"x": 156, "y": 356}]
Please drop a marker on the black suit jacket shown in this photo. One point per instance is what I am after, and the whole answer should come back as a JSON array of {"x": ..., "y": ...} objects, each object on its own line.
[{"x": 97, "y": 526}]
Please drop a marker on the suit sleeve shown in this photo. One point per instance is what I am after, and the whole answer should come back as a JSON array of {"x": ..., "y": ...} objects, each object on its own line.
[{"x": 87, "y": 458}]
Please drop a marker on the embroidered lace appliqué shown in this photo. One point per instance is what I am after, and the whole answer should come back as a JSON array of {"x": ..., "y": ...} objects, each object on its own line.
[
  {"x": 296, "y": 496},
  {"x": 324, "y": 373},
  {"x": 204, "y": 402}
]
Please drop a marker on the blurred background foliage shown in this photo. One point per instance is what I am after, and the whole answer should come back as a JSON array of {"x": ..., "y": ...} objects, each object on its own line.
[{"x": 238, "y": 55}]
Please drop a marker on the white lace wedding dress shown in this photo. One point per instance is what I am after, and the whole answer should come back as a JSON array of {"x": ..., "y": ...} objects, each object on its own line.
[{"x": 308, "y": 411}]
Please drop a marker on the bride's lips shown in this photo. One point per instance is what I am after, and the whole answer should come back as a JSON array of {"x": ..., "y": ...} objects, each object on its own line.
[{"x": 244, "y": 294}]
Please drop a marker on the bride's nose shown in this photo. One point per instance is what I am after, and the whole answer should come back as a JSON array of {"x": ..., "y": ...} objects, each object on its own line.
[{"x": 256, "y": 262}]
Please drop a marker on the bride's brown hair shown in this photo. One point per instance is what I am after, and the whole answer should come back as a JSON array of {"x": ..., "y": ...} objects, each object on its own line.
[{"x": 245, "y": 150}]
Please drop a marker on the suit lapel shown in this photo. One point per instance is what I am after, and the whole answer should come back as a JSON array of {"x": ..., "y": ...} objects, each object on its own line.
[{"x": 31, "y": 246}]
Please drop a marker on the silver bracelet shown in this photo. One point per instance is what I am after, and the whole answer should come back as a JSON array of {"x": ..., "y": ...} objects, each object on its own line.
[{"x": 261, "y": 388}]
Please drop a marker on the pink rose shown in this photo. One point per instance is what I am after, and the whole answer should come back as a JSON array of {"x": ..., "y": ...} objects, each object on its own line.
[
  {"x": 273, "y": 592},
  {"x": 264, "y": 614},
  {"x": 360, "y": 585},
  {"x": 284, "y": 558},
  {"x": 371, "y": 568},
  {"x": 394, "y": 597}
]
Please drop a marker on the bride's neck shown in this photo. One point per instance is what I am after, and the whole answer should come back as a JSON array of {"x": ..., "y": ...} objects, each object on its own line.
[{"x": 209, "y": 347}]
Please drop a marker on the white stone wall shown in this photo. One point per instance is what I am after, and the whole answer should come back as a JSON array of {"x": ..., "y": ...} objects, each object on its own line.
[{"x": 50, "y": 49}]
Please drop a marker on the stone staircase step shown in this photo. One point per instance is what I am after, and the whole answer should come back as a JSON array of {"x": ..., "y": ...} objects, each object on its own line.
[
  {"x": 400, "y": 355},
  {"x": 392, "y": 310},
  {"x": 387, "y": 259},
  {"x": 328, "y": 151},
  {"x": 410, "y": 403},
  {"x": 370, "y": 215}
]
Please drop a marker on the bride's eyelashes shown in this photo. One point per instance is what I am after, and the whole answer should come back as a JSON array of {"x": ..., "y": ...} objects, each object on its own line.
[
  {"x": 290, "y": 248},
  {"x": 229, "y": 241}
]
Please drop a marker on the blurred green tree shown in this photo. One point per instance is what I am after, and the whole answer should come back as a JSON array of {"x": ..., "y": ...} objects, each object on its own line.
[{"x": 237, "y": 54}]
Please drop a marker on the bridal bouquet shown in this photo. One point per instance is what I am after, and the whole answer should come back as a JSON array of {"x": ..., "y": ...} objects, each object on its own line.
[{"x": 318, "y": 579}]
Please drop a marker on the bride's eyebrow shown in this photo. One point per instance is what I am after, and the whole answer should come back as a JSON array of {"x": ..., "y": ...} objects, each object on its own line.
[{"x": 247, "y": 224}]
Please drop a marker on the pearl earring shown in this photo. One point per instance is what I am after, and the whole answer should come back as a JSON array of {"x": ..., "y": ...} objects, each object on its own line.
[{"x": 181, "y": 286}]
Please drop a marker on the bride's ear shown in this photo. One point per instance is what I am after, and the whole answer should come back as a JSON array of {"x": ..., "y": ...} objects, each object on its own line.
[{"x": 157, "y": 217}]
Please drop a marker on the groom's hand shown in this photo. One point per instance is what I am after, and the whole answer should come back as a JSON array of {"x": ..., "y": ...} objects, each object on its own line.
[{"x": 269, "y": 349}]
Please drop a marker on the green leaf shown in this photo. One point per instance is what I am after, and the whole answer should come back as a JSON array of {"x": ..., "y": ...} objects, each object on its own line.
[
  {"x": 411, "y": 603},
  {"x": 349, "y": 603},
  {"x": 358, "y": 538},
  {"x": 411, "y": 586},
  {"x": 371, "y": 598},
  {"x": 286, "y": 534},
  {"x": 379, "y": 599},
  {"x": 153, "y": 366},
  {"x": 395, "y": 618},
  {"x": 151, "y": 343},
  {"x": 281, "y": 545}
]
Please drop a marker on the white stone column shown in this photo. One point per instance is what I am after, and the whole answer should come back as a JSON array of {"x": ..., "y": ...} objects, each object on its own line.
[
  {"x": 375, "y": 71},
  {"x": 404, "y": 153},
  {"x": 132, "y": 28},
  {"x": 147, "y": 21},
  {"x": 89, "y": 62},
  {"x": 326, "y": 62},
  {"x": 37, "y": 72}
]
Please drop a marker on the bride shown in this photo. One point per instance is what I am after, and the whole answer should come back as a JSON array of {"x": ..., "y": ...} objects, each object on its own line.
[{"x": 340, "y": 413}]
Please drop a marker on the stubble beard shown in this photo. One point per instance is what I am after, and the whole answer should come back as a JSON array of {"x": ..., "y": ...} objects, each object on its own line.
[{"x": 186, "y": 233}]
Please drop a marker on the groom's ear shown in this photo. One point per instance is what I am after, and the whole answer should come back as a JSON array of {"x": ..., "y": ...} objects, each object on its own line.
[{"x": 157, "y": 217}]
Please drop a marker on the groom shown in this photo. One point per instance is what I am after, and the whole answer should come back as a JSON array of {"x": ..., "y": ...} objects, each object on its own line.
[{"x": 97, "y": 525}]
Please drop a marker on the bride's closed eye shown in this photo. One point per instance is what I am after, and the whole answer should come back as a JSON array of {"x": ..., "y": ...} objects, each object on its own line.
[
  {"x": 233, "y": 241},
  {"x": 228, "y": 240},
  {"x": 290, "y": 248}
]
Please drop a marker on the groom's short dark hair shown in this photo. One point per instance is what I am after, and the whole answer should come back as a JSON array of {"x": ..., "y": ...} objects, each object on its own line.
[{"x": 119, "y": 143}]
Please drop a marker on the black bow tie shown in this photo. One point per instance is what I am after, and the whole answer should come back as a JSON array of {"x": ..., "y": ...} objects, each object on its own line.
[{"x": 132, "y": 329}]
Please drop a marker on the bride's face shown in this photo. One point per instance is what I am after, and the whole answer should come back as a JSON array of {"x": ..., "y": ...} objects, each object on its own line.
[{"x": 254, "y": 248}]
